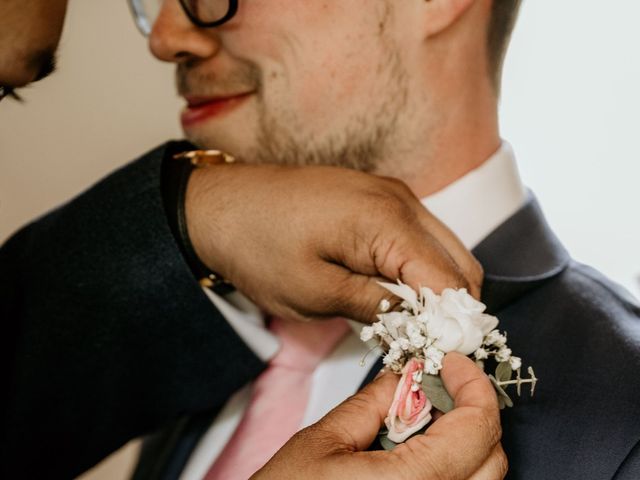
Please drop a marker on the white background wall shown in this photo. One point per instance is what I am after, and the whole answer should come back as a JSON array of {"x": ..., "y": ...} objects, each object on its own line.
[{"x": 570, "y": 108}]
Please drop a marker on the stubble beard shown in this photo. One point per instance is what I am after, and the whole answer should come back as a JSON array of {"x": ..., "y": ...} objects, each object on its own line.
[{"x": 365, "y": 143}]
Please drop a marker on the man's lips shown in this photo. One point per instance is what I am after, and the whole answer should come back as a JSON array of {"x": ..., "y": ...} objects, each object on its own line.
[{"x": 200, "y": 108}]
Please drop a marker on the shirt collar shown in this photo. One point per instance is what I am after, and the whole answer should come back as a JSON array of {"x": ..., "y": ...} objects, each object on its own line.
[{"x": 477, "y": 203}]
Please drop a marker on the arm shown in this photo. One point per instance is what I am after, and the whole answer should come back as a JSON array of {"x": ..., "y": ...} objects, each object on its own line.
[{"x": 97, "y": 312}]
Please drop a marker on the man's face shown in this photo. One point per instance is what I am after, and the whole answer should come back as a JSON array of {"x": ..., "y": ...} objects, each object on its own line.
[
  {"x": 318, "y": 82},
  {"x": 29, "y": 34}
]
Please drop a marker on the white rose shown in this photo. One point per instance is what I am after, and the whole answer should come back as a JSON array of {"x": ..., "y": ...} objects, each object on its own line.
[{"x": 459, "y": 324}]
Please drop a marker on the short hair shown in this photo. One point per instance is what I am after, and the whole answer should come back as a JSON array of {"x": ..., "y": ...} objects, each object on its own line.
[{"x": 503, "y": 18}]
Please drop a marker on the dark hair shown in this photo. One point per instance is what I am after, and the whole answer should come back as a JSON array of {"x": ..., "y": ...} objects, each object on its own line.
[{"x": 503, "y": 18}]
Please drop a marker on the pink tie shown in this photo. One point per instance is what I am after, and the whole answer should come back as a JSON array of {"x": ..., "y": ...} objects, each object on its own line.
[{"x": 279, "y": 398}]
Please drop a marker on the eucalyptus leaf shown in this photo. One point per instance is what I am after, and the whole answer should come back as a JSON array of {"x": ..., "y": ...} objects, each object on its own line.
[
  {"x": 503, "y": 399},
  {"x": 386, "y": 443},
  {"x": 436, "y": 393},
  {"x": 504, "y": 372}
]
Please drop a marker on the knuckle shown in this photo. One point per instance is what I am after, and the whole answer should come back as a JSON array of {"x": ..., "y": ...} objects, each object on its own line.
[
  {"x": 389, "y": 206},
  {"x": 398, "y": 186}
]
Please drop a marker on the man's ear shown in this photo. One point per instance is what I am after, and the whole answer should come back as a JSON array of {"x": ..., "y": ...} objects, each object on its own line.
[{"x": 439, "y": 15}]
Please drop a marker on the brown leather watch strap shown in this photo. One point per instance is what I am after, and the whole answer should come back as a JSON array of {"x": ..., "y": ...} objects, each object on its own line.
[{"x": 176, "y": 170}]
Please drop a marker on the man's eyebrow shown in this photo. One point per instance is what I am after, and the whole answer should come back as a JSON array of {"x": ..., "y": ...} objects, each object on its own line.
[{"x": 44, "y": 61}]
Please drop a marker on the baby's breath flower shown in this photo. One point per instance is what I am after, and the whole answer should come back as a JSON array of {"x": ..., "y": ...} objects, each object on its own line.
[
  {"x": 434, "y": 359},
  {"x": 481, "y": 354},
  {"x": 366, "y": 334},
  {"x": 515, "y": 362},
  {"x": 495, "y": 338},
  {"x": 379, "y": 328},
  {"x": 504, "y": 354},
  {"x": 418, "y": 341},
  {"x": 434, "y": 354},
  {"x": 430, "y": 367},
  {"x": 385, "y": 305}
]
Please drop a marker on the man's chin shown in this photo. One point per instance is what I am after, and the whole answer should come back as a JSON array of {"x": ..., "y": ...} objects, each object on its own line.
[{"x": 227, "y": 140}]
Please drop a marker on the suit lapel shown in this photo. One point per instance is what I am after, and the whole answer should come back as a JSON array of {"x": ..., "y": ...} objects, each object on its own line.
[
  {"x": 520, "y": 255},
  {"x": 566, "y": 343}
]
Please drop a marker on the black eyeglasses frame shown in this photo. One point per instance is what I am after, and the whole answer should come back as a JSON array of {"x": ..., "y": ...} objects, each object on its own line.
[{"x": 145, "y": 28}]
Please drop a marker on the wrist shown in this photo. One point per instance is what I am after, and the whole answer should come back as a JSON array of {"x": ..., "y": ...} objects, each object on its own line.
[
  {"x": 175, "y": 181},
  {"x": 203, "y": 214}
]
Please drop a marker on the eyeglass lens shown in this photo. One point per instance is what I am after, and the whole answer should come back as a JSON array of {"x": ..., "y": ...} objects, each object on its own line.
[{"x": 206, "y": 11}]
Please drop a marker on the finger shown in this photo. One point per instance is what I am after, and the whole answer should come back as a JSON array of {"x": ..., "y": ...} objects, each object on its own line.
[
  {"x": 359, "y": 297},
  {"x": 354, "y": 424},
  {"x": 419, "y": 260},
  {"x": 331, "y": 447},
  {"x": 344, "y": 294},
  {"x": 494, "y": 468},
  {"x": 464, "y": 438},
  {"x": 467, "y": 384},
  {"x": 433, "y": 227},
  {"x": 468, "y": 264}
]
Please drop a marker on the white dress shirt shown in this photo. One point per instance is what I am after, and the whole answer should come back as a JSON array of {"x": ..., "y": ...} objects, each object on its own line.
[{"x": 472, "y": 207}]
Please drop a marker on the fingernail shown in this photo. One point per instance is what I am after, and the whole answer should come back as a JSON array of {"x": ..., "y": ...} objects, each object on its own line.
[{"x": 380, "y": 373}]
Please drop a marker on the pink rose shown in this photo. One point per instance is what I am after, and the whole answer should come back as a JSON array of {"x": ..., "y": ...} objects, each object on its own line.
[{"x": 410, "y": 410}]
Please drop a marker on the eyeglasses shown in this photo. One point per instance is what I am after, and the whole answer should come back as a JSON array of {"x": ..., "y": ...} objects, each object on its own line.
[{"x": 203, "y": 13}]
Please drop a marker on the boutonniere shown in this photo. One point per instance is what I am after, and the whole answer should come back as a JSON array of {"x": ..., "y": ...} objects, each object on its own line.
[{"x": 416, "y": 336}]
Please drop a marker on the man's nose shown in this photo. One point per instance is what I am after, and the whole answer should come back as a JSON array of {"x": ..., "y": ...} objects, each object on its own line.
[{"x": 174, "y": 38}]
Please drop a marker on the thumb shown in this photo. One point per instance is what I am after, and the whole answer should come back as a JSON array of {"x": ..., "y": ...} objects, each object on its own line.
[
  {"x": 355, "y": 423},
  {"x": 473, "y": 426}
]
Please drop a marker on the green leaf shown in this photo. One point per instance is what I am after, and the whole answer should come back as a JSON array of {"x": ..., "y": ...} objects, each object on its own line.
[
  {"x": 436, "y": 393},
  {"x": 504, "y": 372},
  {"x": 503, "y": 399},
  {"x": 386, "y": 443}
]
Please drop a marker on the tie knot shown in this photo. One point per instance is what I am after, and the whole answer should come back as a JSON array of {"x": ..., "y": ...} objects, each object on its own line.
[{"x": 303, "y": 345}]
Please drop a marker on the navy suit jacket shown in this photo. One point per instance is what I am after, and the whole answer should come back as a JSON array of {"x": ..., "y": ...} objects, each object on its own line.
[
  {"x": 105, "y": 334},
  {"x": 579, "y": 331}
]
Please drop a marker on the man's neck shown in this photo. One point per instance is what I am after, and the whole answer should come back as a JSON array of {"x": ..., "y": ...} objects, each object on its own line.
[
  {"x": 453, "y": 162},
  {"x": 478, "y": 202},
  {"x": 460, "y": 132}
]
